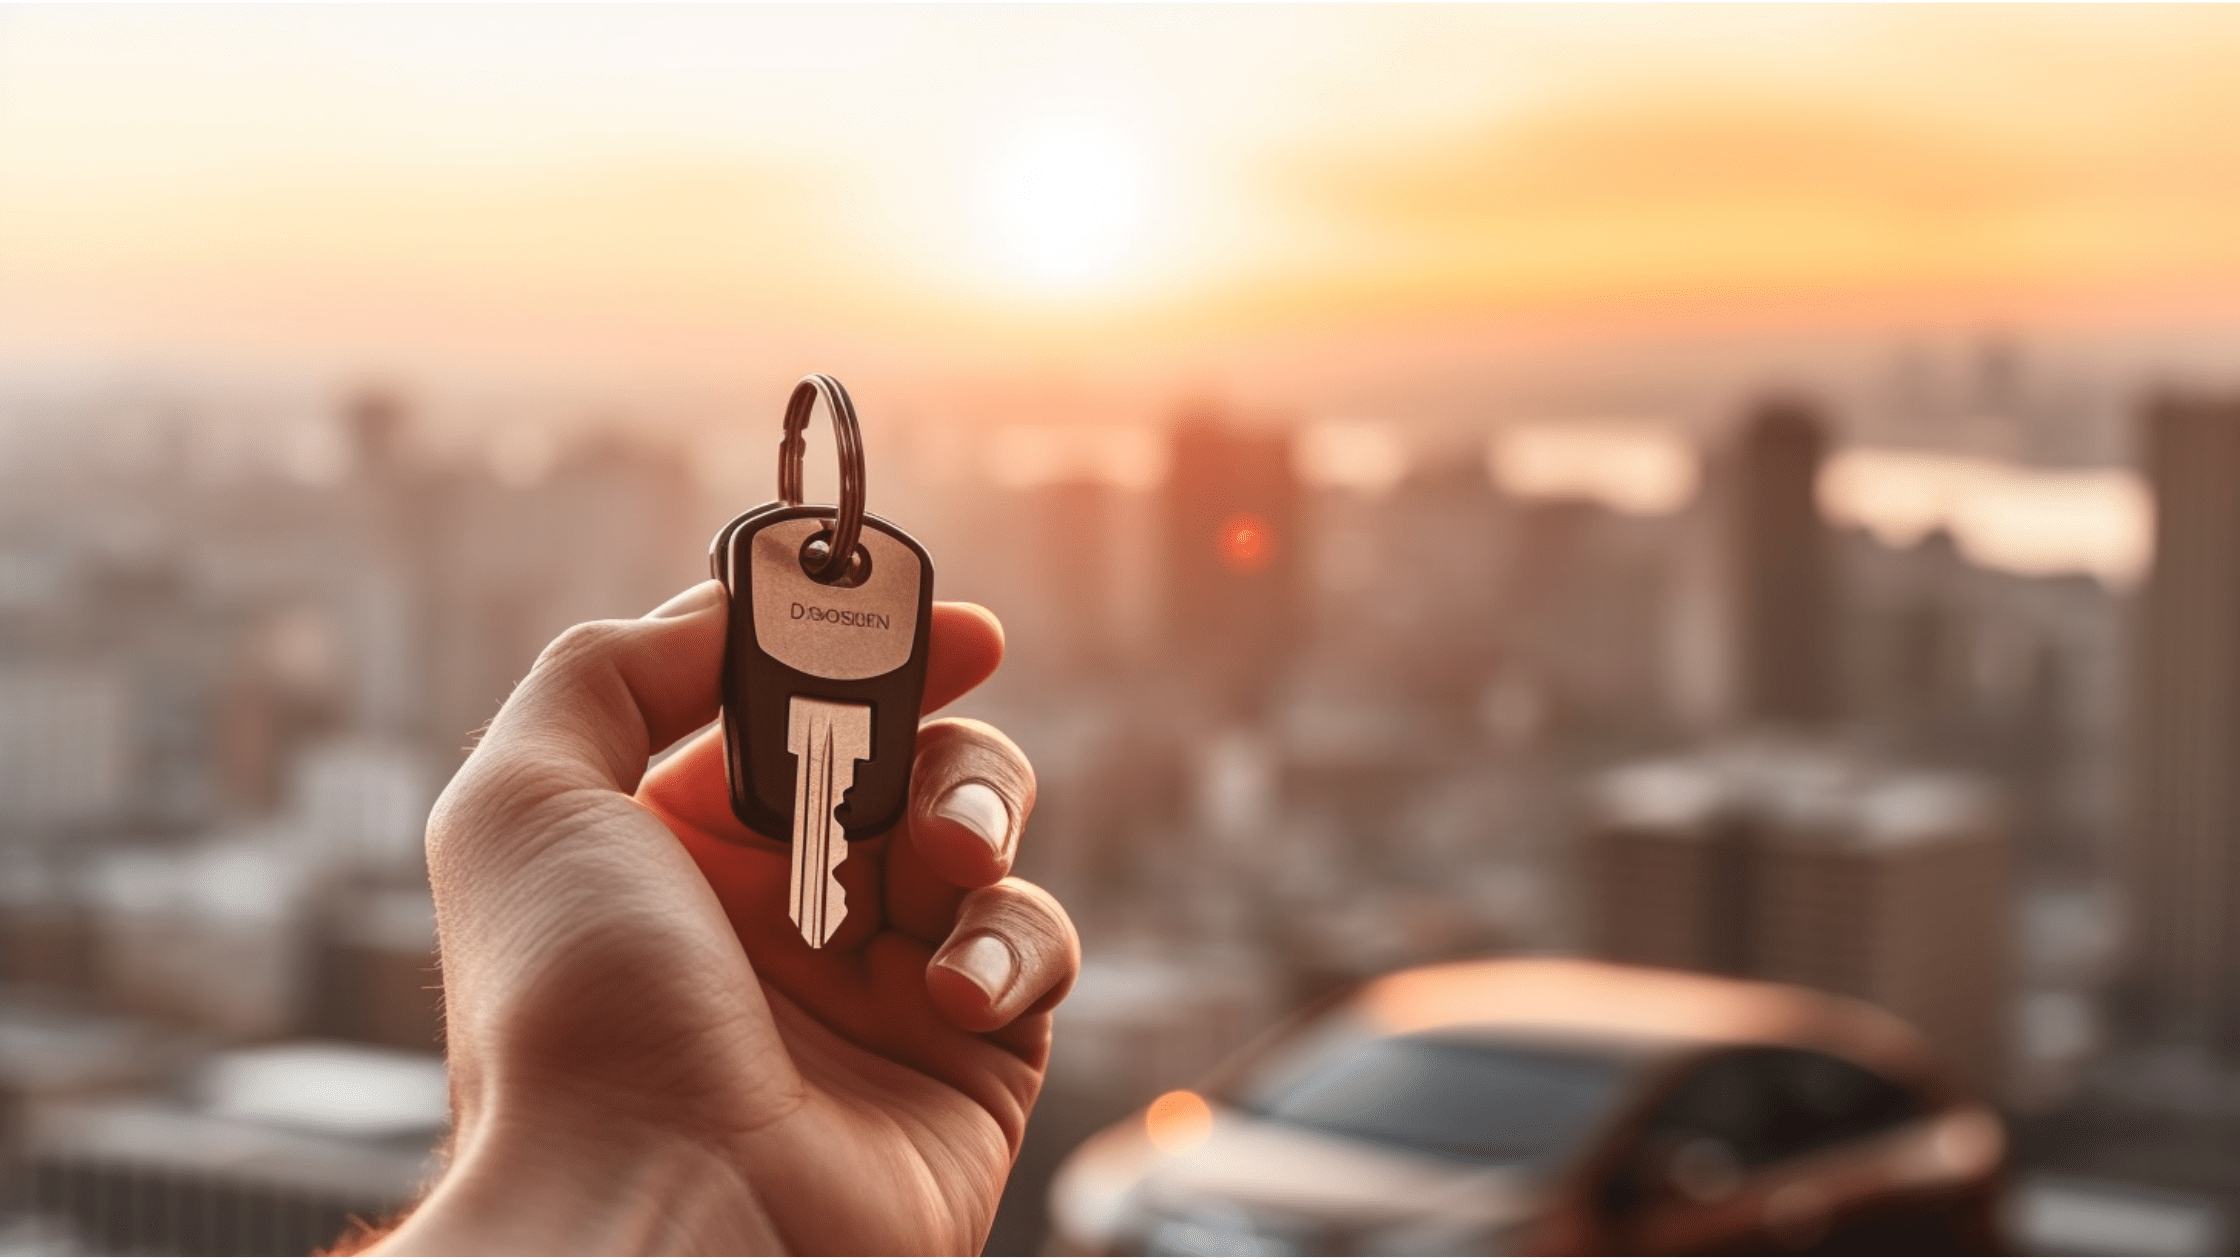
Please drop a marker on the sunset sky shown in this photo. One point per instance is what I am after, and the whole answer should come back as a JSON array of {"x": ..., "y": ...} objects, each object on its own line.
[{"x": 652, "y": 191}]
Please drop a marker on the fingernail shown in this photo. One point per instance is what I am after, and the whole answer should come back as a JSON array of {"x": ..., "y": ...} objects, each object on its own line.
[
  {"x": 986, "y": 961},
  {"x": 693, "y": 599},
  {"x": 979, "y": 809}
]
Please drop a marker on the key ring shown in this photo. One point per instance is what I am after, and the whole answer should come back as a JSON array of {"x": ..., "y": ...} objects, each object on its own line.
[{"x": 847, "y": 523}]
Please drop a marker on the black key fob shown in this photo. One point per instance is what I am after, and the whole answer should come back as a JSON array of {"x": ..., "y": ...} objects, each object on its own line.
[{"x": 857, "y": 641}]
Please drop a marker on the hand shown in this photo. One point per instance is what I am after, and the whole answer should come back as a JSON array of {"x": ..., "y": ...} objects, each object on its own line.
[{"x": 644, "y": 1054}]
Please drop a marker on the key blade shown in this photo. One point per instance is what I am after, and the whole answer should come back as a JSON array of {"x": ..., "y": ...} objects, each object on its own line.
[{"x": 826, "y": 738}]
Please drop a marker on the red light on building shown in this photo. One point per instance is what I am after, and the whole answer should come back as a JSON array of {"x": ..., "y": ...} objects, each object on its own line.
[{"x": 1246, "y": 543}]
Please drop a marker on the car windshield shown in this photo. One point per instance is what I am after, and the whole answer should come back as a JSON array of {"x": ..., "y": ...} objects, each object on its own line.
[{"x": 1464, "y": 1098}]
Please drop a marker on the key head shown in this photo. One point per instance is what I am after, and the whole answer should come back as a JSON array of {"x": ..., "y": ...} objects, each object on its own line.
[{"x": 859, "y": 640}]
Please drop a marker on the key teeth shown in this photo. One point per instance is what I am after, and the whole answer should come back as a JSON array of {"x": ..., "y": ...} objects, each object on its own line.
[
  {"x": 835, "y": 895},
  {"x": 827, "y": 738}
]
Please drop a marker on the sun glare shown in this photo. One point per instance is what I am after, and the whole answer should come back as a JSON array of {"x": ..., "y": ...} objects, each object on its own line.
[{"x": 1066, "y": 202}]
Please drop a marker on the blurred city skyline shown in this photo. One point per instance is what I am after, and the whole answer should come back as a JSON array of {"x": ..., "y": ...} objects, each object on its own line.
[{"x": 1741, "y": 490}]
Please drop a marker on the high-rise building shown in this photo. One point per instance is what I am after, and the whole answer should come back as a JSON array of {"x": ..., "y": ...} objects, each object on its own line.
[
  {"x": 2185, "y": 766},
  {"x": 1783, "y": 585},
  {"x": 1798, "y": 864},
  {"x": 1233, "y": 544},
  {"x": 1666, "y": 870},
  {"x": 1899, "y": 899}
]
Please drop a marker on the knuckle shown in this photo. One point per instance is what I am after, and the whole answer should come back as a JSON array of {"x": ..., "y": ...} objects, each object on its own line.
[
  {"x": 1041, "y": 934},
  {"x": 982, "y": 735},
  {"x": 953, "y": 750},
  {"x": 581, "y": 646},
  {"x": 492, "y": 805},
  {"x": 1046, "y": 908},
  {"x": 1020, "y": 910}
]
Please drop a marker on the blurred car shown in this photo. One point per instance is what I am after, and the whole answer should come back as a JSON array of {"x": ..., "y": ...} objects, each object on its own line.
[{"x": 1551, "y": 1106}]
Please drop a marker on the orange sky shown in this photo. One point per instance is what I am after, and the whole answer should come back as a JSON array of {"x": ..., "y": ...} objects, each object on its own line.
[{"x": 663, "y": 191}]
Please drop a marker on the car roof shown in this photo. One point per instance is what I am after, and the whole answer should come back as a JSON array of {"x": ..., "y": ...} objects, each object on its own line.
[{"x": 1635, "y": 1011}]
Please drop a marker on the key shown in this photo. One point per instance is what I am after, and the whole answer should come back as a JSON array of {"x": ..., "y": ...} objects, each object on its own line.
[
  {"x": 822, "y": 688},
  {"x": 822, "y": 683},
  {"x": 826, "y": 739},
  {"x": 825, "y": 671}
]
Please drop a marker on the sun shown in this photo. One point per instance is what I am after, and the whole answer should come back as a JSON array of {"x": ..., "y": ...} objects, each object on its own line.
[{"x": 1065, "y": 201}]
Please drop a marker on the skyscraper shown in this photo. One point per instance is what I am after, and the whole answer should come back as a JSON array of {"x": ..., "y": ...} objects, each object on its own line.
[
  {"x": 1783, "y": 587},
  {"x": 1666, "y": 865},
  {"x": 2185, "y": 768},
  {"x": 1900, "y": 897},
  {"x": 1233, "y": 556},
  {"x": 1802, "y": 864}
]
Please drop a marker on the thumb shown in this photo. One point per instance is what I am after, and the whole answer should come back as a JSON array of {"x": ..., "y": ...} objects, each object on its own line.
[{"x": 598, "y": 703}]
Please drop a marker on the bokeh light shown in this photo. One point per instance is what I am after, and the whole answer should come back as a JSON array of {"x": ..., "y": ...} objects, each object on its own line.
[
  {"x": 1178, "y": 1122},
  {"x": 1247, "y": 543}
]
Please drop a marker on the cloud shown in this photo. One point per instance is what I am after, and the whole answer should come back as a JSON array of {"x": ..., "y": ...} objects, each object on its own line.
[
  {"x": 1654, "y": 155},
  {"x": 1679, "y": 189}
]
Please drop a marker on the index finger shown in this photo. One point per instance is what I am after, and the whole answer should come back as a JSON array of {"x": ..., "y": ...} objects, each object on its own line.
[{"x": 962, "y": 650}]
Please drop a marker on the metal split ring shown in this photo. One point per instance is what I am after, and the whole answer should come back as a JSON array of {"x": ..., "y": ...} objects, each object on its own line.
[{"x": 847, "y": 436}]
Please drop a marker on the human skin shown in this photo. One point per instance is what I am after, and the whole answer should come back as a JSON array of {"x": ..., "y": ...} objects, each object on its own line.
[{"x": 646, "y": 1057}]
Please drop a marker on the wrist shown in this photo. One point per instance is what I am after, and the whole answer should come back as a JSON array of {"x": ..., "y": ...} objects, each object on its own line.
[{"x": 562, "y": 1186}]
